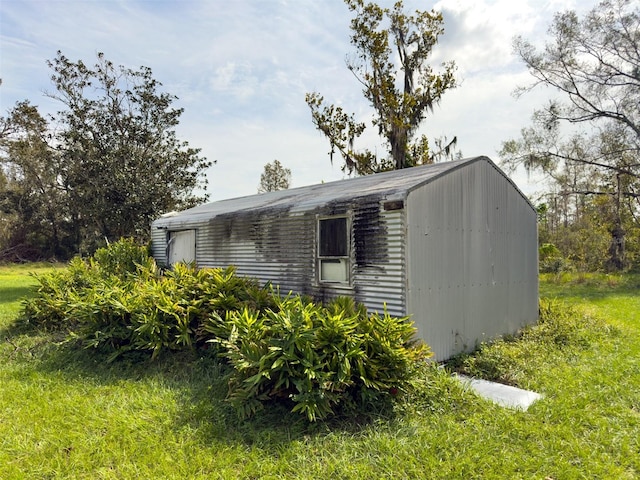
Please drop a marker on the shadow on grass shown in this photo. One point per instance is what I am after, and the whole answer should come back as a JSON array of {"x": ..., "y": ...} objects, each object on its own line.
[
  {"x": 198, "y": 382},
  {"x": 10, "y": 294}
]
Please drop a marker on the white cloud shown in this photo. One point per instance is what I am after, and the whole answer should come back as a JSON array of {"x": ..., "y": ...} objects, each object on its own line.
[
  {"x": 478, "y": 35},
  {"x": 236, "y": 79}
]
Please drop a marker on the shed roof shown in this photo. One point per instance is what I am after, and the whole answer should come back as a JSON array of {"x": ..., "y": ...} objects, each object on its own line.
[{"x": 392, "y": 185}]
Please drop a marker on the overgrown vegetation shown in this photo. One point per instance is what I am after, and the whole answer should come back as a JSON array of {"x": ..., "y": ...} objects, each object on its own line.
[
  {"x": 67, "y": 413},
  {"x": 591, "y": 207},
  {"x": 322, "y": 359},
  {"x": 561, "y": 333},
  {"x": 319, "y": 360}
]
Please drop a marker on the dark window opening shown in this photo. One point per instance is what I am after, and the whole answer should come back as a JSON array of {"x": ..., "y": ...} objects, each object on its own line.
[{"x": 333, "y": 237}]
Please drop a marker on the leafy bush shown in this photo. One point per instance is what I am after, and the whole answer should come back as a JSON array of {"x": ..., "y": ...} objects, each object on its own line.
[
  {"x": 552, "y": 260},
  {"x": 61, "y": 297},
  {"x": 123, "y": 258},
  {"x": 320, "y": 360},
  {"x": 117, "y": 301},
  {"x": 56, "y": 293}
]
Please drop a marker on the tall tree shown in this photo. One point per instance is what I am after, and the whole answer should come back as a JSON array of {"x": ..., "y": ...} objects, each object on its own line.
[
  {"x": 275, "y": 177},
  {"x": 108, "y": 164},
  {"x": 401, "y": 92},
  {"x": 121, "y": 161},
  {"x": 594, "y": 65}
]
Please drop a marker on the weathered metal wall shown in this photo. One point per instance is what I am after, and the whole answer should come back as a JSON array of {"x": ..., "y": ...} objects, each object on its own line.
[
  {"x": 159, "y": 245},
  {"x": 279, "y": 246},
  {"x": 379, "y": 273},
  {"x": 452, "y": 244},
  {"x": 273, "y": 247},
  {"x": 471, "y": 259}
]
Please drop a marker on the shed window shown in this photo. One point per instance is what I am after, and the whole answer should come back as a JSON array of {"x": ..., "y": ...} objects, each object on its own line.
[
  {"x": 333, "y": 237},
  {"x": 333, "y": 249}
]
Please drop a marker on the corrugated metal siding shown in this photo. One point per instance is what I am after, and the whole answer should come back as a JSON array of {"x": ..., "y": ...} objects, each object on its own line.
[
  {"x": 159, "y": 245},
  {"x": 280, "y": 247},
  {"x": 461, "y": 257},
  {"x": 380, "y": 278},
  {"x": 276, "y": 247},
  {"x": 472, "y": 259},
  {"x": 159, "y": 238}
]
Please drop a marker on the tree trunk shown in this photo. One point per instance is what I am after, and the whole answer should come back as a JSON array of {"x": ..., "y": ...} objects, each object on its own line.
[
  {"x": 398, "y": 141},
  {"x": 617, "y": 260}
]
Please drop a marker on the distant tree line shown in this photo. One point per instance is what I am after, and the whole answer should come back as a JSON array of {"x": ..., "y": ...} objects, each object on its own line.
[
  {"x": 101, "y": 168},
  {"x": 590, "y": 213}
]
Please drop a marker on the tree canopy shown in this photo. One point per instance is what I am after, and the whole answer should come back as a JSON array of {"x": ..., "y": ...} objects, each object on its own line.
[
  {"x": 400, "y": 92},
  {"x": 275, "y": 177},
  {"x": 106, "y": 164},
  {"x": 587, "y": 141}
]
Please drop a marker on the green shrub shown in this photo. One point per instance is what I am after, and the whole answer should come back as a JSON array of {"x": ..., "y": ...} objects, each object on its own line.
[
  {"x": 320, "y": 360},
  {"x": 55, "y": 293},
  {"x": 63, "y": 298},
  {"x": 551, "y": 259},
  {"x": 101, "y": 316},
  {"x": 177, "y": 309},
  {"x": 123, "y": 258},
  {"x": 117, "y": 301}
]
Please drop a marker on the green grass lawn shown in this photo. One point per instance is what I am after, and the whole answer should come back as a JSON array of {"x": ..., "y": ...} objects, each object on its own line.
[{"x": 66, "y": 413}]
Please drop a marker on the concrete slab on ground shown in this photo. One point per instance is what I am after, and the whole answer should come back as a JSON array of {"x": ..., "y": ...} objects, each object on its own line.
[{"x": 505, "y": 395}]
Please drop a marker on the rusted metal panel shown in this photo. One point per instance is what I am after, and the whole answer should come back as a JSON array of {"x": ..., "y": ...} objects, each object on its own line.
[{"x": 472, "y": 255}]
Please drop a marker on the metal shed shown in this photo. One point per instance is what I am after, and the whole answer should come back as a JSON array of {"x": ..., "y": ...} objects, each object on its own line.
[{"x": 452, "y": 244}]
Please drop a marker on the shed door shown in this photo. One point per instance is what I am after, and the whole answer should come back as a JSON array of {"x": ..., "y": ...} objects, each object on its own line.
[{"x": 182, "y": 246}]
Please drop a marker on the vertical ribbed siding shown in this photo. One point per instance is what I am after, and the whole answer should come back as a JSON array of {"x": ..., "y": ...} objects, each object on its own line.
[
  {"x": 159, "y": 245},
  {"x": 382, "y": 280},
  {"x": 472, "y": 259},
  {"x": 272, "y": 248}
]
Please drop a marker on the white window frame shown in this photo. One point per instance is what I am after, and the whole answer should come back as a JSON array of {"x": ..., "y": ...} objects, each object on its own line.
[{"x": 334, "y": 269}]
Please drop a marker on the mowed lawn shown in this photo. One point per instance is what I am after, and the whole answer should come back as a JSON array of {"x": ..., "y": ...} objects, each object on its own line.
[{"x": 67, "y": 413}]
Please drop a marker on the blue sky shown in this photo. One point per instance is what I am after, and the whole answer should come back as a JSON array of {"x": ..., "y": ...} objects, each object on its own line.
[{"x": 241, "y": 69}]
